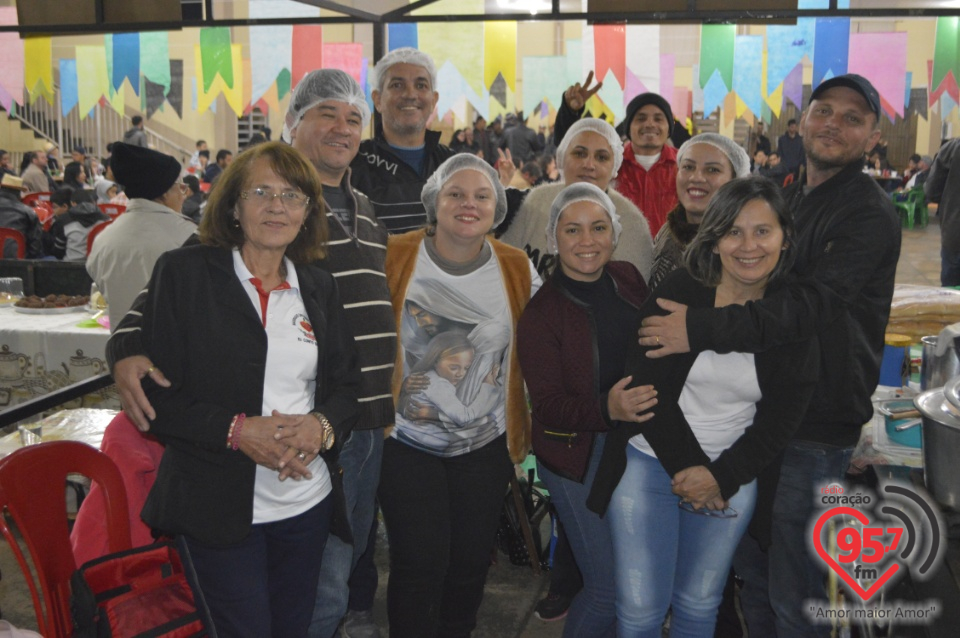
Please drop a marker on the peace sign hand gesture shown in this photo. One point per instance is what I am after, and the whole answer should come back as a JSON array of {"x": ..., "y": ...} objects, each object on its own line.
[{"x": 577, "y": 95}]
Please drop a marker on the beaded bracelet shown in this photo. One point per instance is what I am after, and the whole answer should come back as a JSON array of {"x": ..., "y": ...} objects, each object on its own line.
[{"x": 233, "y": 435}]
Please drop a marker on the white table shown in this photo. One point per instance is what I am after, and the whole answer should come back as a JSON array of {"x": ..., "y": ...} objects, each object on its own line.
[
  {"x": 83, "y": 425},
  {"x": 43, "y": 353}
]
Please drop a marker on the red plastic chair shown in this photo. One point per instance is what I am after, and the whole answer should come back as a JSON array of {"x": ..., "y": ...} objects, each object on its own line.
[
  {"x": 113, "y": 210},
  {"x": 44, "y": 213},
  {"x": 32, "y": 199},
  {"x": 13, "y": 235},
  {"x": 32, "y": 493},
  {"x": 95, "y": 230}
]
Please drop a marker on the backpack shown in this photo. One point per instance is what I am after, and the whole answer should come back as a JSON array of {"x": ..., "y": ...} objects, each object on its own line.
[{"x": 139, "y": 592}]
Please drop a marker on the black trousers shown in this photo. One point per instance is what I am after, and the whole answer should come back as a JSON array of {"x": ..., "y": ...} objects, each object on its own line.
[{"x": 441, "y": 516}]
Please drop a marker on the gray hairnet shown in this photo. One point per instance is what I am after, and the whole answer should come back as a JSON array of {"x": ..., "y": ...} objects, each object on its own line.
[
  {"x": 734, "y": 152},
  {"x": 318, "y": 87},
  {"x": 457, "y": 163},
  {"x": 580, "y": 192},
  {"x": 403, "y": 55},
  {"x": 594, "y": 125}
]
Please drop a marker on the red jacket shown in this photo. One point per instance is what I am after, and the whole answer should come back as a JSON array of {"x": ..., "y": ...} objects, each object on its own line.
[
  {"x": 138, "y": 456},
  {"x": 654, "y": 192},
  {"x": 556, "y": 342}
]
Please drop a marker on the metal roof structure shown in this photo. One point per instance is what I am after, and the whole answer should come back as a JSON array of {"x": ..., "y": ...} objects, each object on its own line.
[{"x": 207, "y": 13}]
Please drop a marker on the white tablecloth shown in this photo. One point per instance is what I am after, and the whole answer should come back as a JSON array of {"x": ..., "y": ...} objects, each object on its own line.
[{"x": 43, "y": 353}]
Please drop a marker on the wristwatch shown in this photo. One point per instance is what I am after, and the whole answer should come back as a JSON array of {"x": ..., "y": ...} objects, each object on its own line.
[{"x": 328, "y": 436}]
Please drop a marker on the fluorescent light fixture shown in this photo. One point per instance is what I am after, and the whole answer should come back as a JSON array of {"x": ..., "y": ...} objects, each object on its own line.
[{"x": 533, "y": 6}]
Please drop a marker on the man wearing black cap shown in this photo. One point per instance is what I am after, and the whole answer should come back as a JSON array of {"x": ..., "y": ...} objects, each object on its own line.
[
  {"x": 648, "y": 175},
  {"x": 124, "y": 254},
  {"x": 848, "y": 240}
]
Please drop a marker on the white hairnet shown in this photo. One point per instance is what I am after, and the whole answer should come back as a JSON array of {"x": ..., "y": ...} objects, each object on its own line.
[
  {"x": 580, "y": 192},
  {"x": 593, "y": 125},
  {"x": 734, "y": 152},
  {"x": 318, "y": 87},
  {"x": 403, "y": 55},
  {"x": 457, "y": 163}
]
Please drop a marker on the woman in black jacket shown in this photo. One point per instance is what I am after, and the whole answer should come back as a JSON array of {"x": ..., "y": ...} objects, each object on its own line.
[
  {"x": 682, "y": 487},
  {"x": 263, "y": 381}
]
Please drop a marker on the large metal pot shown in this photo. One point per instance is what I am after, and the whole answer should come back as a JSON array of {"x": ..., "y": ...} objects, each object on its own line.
[
  {"x": 936, "y": 371},
  {"x": 941, "y": 446}
]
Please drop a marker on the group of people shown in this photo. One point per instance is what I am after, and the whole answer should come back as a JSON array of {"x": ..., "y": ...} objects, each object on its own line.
[{"x": 354, "y": 324}]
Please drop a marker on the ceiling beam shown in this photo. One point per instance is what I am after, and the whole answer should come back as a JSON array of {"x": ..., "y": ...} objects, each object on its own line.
[
  {"x": 660, "y": 17},
  {"x": 391, "y": 16},
  {"x": 361, "y": 16}
]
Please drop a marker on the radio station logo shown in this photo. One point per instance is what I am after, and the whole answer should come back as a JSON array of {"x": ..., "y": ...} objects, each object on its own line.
[{"x": 870, "y": 543}]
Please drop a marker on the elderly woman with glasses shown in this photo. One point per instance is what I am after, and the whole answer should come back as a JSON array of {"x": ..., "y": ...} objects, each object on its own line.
[
  {"x": 682, "y": 487},
  {"x": 263, "y": 383}
]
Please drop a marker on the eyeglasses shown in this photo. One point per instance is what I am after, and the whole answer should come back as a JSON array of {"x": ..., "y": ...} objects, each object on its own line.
[
  {"x": 290, "y": 199},
  {"x": 728, "y": 512}
]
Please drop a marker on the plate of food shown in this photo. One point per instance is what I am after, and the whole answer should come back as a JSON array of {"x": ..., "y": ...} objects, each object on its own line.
[{"x": 51, "y": 304}]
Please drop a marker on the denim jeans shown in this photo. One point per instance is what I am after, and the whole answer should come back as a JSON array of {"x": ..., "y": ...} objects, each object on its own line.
[
  {"x": 593, "y": 611},
  {"x": 264, "y": 586},
  {"x": 668, "y": 557},
  {"x": 360, "y": 459},
  {"x": 806, "y": 467},
  {"x": 441, "y": 515},
  {"x": 949, "y": 268}
]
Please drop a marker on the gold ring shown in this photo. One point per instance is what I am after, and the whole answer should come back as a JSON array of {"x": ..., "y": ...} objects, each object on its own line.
[
  {"x": 150, "y": 369},
  {"x": 658, "y": 340},
  {"x": 302, "y": 456}
]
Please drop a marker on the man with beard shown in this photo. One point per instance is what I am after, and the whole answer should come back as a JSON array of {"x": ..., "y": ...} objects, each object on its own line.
[
  {"x": 848, "y": 240},
  {"x": 392, "y": 167}
]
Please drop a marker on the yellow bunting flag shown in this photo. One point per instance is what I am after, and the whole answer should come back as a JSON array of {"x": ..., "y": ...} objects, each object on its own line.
[
  {"x": 774, "y": 100},
  {"x": 38, "y": 68},
  {"x": 271, "y": 97},
  {"x": 233, "y": 96},
  {"x": 92, "y": 80},
  {"x": 500, "y": 53}
]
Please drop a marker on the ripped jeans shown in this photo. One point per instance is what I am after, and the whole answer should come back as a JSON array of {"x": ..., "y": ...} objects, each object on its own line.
[{"x": 667, "y": 557}]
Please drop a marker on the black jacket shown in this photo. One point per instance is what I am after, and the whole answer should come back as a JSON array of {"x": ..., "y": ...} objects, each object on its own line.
[
  {"x": 391, "y": 184},
  {"x": 786, "y": 374},
  {"x": 560, "y": 359},
  {"x": 200, "y": 328},
  {"x": 848, "y": 240},
  {"x": 18, "y": 216}
]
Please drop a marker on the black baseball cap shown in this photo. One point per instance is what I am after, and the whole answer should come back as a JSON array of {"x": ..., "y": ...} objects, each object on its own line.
[{"x": 856, "y": 82}]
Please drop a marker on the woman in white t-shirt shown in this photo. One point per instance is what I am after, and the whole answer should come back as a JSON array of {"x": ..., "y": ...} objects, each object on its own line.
[
  {"x": 263, "y": 382},
  {"x": 443, "y": 479},
  {"x": 682, "y": 491}
]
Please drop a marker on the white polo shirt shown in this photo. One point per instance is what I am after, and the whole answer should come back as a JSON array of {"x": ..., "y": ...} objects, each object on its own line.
[{"x": 288, "y": 387}]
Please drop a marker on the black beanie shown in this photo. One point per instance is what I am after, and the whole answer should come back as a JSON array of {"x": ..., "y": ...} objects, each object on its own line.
[
  {"x": 641, "y": 101},
  {"x": 144, "y": 173}
]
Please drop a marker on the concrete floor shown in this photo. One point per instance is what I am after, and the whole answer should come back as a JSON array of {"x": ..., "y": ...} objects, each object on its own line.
[{"x": 511, "y": 592}]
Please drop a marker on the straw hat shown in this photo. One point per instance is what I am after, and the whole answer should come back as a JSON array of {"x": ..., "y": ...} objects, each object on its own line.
[{"x": 12, "y": 182}]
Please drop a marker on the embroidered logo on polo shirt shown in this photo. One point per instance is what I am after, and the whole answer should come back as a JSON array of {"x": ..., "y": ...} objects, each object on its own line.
[{"x": 302, "y": 323}]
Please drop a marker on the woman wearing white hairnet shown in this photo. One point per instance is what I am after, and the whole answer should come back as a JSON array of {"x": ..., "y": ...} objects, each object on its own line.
[
  {"x": 590, "y": 152},
  {"x": 443, "y": 480},
  {"x": 572, "y": 341},
  {"x": 705, "y": 163}
]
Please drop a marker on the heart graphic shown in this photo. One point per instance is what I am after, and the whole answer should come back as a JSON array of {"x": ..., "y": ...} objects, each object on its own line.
[{"x": 864, "y": 594}]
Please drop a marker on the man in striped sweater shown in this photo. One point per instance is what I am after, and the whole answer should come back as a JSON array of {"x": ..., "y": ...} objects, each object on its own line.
[{"x": 326, "y": 116}]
